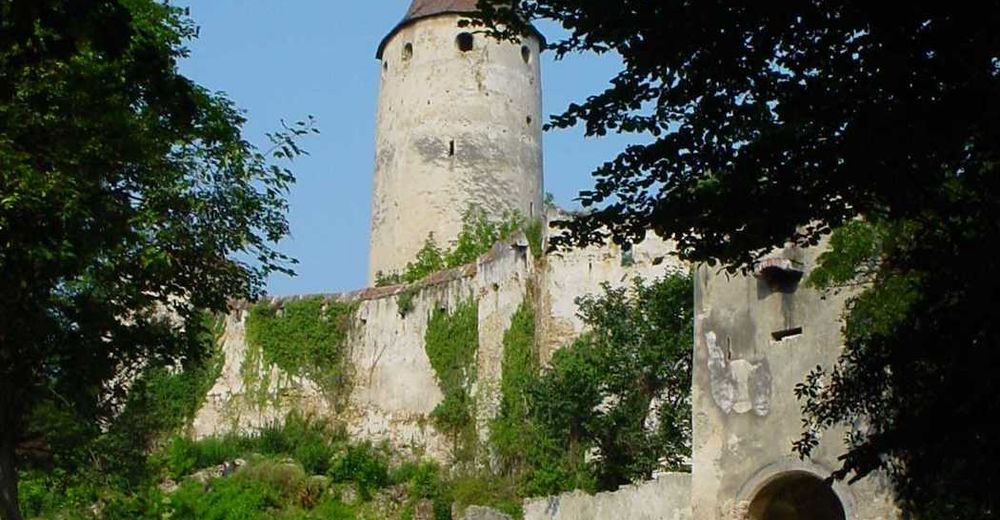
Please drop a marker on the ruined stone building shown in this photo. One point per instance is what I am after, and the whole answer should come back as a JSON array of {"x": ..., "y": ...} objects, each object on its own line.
[{"x": 459, "y": 124}]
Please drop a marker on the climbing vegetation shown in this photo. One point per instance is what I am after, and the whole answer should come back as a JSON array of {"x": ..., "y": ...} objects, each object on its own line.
[
  {"x": 451, "y": 342},
  {"x": 479, "y": 234},
  {"x": 303, "y": 337}
]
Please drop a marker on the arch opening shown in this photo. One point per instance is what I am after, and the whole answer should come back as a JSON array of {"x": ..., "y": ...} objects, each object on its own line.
[
  {"x": 797, "y": 496},
  {"x": 407, "y": 51}
]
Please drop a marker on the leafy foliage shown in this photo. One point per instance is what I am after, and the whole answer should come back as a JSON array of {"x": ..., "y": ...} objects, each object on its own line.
[
  {"x": 477, "y": 236},
  {"x": 78, "y": 463},
  {"x": 451, "y": 343},
  {"x": 599, "y": 395},
  {"x": 280, "y": 479},
  {"x": 636, "y": 361},
  {"x": 365, "y": 466},
  {"x": 127, "y": 195},
  {"x": 520, "y": 368},
  {"x": 776, "y": 121},
  {"x": 304, "y": 337}
]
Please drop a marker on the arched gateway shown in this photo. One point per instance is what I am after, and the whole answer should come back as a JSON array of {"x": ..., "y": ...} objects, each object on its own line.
[{"x": 796, "y": 495}]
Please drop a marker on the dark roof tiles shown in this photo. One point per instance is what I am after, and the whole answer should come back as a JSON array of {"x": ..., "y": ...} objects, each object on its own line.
[{"x": 422, "y": 8}]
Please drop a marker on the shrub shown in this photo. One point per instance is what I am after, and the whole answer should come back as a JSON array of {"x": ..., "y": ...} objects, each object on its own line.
[
  {"x": 483, "y": 489},
  {"x": 365, "y": 465}
]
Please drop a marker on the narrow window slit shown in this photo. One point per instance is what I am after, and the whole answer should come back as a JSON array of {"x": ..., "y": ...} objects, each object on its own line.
[
  {"x": 782, "y": 335},
  {"x": 451, "y": 148}
]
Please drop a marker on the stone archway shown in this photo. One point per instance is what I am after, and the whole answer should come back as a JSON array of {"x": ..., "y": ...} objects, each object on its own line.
[{"x": 796, "y": 495}]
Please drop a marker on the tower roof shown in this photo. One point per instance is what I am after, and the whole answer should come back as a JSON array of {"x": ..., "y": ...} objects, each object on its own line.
[{"x": 421, "y": 9}]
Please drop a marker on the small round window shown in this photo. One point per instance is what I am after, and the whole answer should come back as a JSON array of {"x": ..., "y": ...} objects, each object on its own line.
[
  {"x": 407, "y": 51},
  {"x": 464, "y": 42},
  {"x": 526, "y": 54}
]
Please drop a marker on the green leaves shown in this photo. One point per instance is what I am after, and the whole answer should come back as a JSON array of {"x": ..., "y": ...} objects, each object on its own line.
[
  {"x": 773, "y": 122},
  {"x": 479, "y": 233},
  {"x": 620, "y": 393},
  {"x": 127, "y": 195},
  {"x": 304, "y": 337},
  {"x": 451, "y": 343}
]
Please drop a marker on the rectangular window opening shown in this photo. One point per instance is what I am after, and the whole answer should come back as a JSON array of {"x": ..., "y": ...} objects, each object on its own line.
[
  {"x": 782, "y": 335},
  {"x": 451, "y": 148}
]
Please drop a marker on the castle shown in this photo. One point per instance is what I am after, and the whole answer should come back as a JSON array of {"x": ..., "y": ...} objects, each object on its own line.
[{"x": 459, "y": 125}]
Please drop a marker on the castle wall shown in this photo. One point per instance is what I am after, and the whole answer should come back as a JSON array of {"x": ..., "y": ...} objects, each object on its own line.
[
  {"x": 573, "y": 273},
  {"x": 454, "y": 129},
  {"x": 393, "y": 388},
  {"x": 745, "y": 413},
  {"x": 668, "y": 497}
]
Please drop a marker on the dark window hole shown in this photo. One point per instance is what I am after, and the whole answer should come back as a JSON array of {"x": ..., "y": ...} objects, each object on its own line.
[
  {"x": 464, "y": 41},
  {"x": 786, "y": 333},
  {"x": 451, "y": 148}
]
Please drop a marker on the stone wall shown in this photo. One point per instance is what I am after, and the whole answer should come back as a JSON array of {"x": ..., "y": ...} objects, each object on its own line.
[
  {"x": 570, "y": 274},
  {"x": 668, "y": 497},
  {"x": 756, "y": 337},
  {"x": 454, "y": 128},
  {"x": 393, "y": 386}
]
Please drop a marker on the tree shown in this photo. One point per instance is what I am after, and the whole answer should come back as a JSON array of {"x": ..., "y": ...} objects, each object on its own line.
[
  {"x": 129, "y": 201},
  {"x": 782, "y": 121},
  {"x": 621, "y": 392}
]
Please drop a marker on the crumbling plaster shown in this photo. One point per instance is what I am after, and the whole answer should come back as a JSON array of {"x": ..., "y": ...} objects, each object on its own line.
[
  {"x": 667, "y": 497},
  {"x": 454, "y": 129},
  {"x": 393, "y": 387},
  {"x": 746, "y": 415}
]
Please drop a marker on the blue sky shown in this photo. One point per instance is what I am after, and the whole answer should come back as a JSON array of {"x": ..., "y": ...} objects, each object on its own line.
[{"x": 288, "y": 59}]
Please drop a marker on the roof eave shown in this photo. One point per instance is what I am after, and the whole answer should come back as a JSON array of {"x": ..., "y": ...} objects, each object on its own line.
[{"x": 410, "y": 21}]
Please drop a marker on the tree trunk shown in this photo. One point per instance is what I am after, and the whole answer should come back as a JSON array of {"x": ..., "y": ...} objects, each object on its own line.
[
  {"x": 8, "y": 473},
  {"x": 8, "y": 457}
]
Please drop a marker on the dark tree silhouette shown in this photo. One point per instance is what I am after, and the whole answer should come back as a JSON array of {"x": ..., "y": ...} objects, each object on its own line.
[
  {"x": 776, "y": 121},
  {"x": 127, "y": 196}
]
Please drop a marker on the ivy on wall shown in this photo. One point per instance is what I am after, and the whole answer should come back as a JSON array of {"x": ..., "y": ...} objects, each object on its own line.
[
  {"x": 304, "y": 338},
  {"x": 520, "y": 369},
  {"x": 451, "y": 343}
]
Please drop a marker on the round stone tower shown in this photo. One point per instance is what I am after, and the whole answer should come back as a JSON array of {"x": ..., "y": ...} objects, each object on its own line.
[{"x": 458, "y": 125}]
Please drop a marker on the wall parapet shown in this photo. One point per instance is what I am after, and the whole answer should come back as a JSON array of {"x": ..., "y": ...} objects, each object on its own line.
[{"x": 667, "y": 497}]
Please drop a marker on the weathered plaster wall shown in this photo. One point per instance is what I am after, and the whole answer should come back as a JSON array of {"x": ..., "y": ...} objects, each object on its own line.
[
  {"x": 668, "y": 497},
  {"x": 393, "y": 386},
  {"x": 745, "y": 413},
  {"x": 570, "y": 274},
  {"x": 453, "y": 129},
  {"x": 234, "y": 403}
]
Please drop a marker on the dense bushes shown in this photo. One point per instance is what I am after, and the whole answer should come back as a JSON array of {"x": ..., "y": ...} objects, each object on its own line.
[
  {"x": 620, "y": 393},
  {"x": 300, "y": 469},
  {"x": 68, "y": 464}
]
